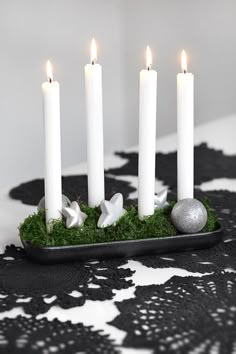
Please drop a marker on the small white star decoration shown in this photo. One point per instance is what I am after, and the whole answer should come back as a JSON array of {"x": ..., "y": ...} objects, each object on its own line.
[
  {"x": 73, "y": 215},
  {"x": 160, "y": 199},
  {"x": 112, "y": 211}
]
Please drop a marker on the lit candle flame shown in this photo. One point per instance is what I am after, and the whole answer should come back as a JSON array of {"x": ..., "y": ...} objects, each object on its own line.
[
  {"x": 93, "y": 51},
  {"x": 184, "y": 61},
  {"x": 49, "y": 71},
  {"x": 148, "y": 58}
]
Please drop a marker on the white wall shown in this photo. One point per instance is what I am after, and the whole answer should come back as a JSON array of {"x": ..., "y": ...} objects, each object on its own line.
[
  {"x": 207, "y": 30},
  {"x": 32, "y": 31}
]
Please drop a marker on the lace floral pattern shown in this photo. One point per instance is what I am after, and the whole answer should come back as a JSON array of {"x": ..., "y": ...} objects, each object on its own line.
[
  {"x": 37, "y": 287},
  {"x": 185, "y": 315},
  {"x": 28, "y": 336}
]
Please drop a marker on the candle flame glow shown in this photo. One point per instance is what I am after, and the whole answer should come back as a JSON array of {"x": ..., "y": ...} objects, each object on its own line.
[
  {"x": 184, "y": 61},
  {"x": 148, "y": 58},
  {"x": 93, "y": 51},
  {"x": 49, "y": 71}
]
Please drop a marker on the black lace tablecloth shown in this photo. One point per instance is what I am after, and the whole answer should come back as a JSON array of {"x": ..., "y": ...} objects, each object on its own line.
[{"x": 195, "y": 313}]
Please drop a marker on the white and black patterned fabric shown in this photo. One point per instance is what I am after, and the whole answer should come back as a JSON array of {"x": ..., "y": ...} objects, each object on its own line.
[
  {"x": 208, "y": 164},
  {"x": 28, "y": 336},
  {"x": 186, "y": 314},
  {"x": 74, "y": 187},
  {"x": 20, "y": 278},
  {"x": 190, "y": 314}
]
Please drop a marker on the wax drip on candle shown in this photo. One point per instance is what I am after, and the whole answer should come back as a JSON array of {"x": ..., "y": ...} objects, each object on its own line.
[
  {"x": 49, "y": 71},
  {"x": 93, "y": 52},
  {"x": 184, "y": 61},
  {"x": 148, "y": 58}
]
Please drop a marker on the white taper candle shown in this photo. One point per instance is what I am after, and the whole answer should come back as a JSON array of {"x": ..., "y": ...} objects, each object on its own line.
[
  {"x": 95, "y": 158},
  {"x": 52, "y": 180},
  {"x": 185, "y": 129},
  {"x": 147, "y": 139}
]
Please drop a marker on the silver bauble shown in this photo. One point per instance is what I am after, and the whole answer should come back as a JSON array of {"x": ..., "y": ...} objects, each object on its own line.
[
  {"x": 189, "y": 216},
  {"x": 65, "y": 202}
]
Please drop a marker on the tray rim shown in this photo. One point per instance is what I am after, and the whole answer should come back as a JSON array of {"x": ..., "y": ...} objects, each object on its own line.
[{"x": 28, "y": 244}]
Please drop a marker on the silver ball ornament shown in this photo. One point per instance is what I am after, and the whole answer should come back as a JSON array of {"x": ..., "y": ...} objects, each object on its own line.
[
  {"x": 65, "y": 202},
  {"x": 189, "y": 216}
]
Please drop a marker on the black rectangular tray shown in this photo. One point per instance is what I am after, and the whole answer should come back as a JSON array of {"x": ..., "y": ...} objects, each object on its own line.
[{"x": 129, "y": 248}]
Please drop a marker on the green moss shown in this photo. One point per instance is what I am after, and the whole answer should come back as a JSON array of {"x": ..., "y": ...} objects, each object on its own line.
[
  {"x": 212, "y": 220},
  {"x": 129, "y": 227}
]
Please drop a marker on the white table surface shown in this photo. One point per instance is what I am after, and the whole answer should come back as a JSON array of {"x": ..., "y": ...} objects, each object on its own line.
[{"x": 218, "y": 134}]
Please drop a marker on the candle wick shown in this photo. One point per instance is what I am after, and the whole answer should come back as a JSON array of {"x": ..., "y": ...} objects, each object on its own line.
[
  {"x": 185, "y": 71},
  {"x": 50, "y": 80}
]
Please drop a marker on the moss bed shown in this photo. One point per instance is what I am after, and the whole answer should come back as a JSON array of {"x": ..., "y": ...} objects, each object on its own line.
[{"x": 129, "y": 227}]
